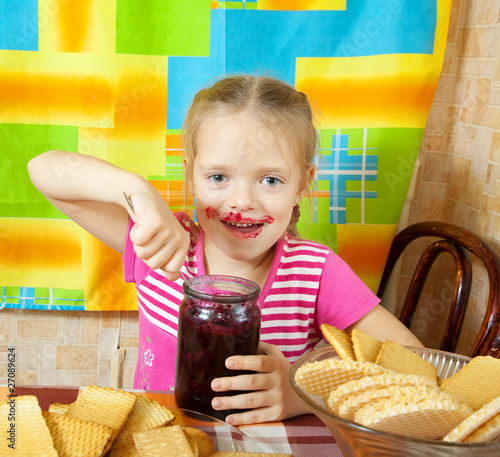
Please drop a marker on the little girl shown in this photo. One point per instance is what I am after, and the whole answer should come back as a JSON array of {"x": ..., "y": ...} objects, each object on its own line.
[{"x": 249, "y": 149}]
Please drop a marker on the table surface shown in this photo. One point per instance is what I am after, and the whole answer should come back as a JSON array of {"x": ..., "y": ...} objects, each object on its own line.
[{"x": 302, "y": 436}]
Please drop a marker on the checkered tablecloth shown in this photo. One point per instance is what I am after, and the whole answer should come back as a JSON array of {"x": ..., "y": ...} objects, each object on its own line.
[{"x": 302, "y": 436}]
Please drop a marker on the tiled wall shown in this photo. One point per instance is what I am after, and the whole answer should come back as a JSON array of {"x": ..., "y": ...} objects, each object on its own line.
[
  {"x": 70, "y": 348},
  {"x": 458, "y": 181},
  {"x": 459, "y": 175}
]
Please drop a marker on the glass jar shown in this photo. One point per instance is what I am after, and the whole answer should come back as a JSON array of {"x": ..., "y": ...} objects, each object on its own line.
[{"x": 218, "y": 317}]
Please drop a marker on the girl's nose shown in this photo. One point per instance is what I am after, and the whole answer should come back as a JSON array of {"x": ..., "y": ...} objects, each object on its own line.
[{"x": 241, "y": 198}]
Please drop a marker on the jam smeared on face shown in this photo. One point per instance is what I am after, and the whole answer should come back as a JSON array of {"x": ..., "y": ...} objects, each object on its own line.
[
  {"x": 237, "y": 217},
  {"x": 239, "y": 225}
]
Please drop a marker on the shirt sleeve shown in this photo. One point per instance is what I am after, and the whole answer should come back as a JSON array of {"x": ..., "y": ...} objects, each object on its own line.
[{"x": 343, "y": 298}]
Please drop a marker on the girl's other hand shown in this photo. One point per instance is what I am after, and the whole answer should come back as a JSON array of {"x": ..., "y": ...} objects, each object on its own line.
[
  {"x": 270, "y": 395},
  {"x": 158, "y": 237}
]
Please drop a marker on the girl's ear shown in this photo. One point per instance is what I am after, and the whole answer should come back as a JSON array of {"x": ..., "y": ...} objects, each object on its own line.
[{"x": 310, "y": 177}]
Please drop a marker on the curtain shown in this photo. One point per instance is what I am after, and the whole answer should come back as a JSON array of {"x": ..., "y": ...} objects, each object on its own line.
[{"x": 114, "y": 79}]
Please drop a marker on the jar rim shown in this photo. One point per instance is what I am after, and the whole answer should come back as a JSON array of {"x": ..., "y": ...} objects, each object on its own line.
[{"x": 189, "y": 288}]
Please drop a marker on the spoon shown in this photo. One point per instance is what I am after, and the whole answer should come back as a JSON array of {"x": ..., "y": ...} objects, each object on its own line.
[{"x": 131, "y": 205}]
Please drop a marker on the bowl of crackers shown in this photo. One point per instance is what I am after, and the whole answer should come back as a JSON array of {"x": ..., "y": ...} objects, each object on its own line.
[{"x": 384, "y": 399}]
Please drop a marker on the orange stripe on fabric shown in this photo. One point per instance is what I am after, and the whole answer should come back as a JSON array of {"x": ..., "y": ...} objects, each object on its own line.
[
  {"x": 49, "y": 94},
  {"x": 172, "y": 193},
  {"x": 39, "y": 244},
  {"x": 141, "y": 105},
  {"x": 173, "y": 143},
  {"x": 347, "y": 102},
  {"x": 77, "y": 26},
  {"x": 365, "y": 248}
]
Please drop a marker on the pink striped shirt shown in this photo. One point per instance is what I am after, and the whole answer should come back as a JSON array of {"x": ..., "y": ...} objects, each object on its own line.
[{"x": 308, "y": 284}]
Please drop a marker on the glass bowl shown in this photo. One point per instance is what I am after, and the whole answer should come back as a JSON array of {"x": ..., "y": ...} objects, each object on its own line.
[{"x": 355, "y": 440}]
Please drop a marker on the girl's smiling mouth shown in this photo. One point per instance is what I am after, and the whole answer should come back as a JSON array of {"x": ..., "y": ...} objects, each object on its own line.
[{"x": 237, "y": 224}]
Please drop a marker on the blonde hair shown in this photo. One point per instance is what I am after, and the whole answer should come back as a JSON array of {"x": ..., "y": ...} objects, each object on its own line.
[{"x": 271, "y": 103}]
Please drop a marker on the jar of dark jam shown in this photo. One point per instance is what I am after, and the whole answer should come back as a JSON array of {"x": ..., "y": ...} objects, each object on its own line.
[{"x": 218, "y": 317}]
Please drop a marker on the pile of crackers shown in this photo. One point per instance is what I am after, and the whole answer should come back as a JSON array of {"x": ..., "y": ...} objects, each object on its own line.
[
  {"x": 388, "y": 388},
  {"x": 103, "y": 422}
]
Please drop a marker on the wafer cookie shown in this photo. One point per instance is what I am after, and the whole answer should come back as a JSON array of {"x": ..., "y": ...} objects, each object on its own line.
[
  {"x": 395, "y": 357},
  {"x": 366, "y": 348},
  {"x": 427, "y": 419},
  {"x": 321, "y": 377},
  {"x": 479, "y": 373},
  {"x": 384, "y": 380},
  {"x": 348, "y": 408},
  {"x": 489, "y": 431},
  {"x": 474, "y": 421},
  {"x": 340, "y": 340}
]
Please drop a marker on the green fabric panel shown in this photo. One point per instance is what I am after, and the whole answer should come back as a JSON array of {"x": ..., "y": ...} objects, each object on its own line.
[
  {"x": 397, "y": 154},
  {"x": 18, "y": 144},
  {"x": 163, "y": 27}
]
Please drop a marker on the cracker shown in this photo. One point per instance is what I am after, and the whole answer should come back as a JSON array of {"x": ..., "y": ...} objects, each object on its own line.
[
  {"x": 27, "y": 432},
  {"x": 340, "y": 340},
  {"x": 146, "y": 415},
  {"x": 366, "y": 348},
  {"x": 103, "y": 405},
  {"x": 202, "y": 439},
  {"x": 321, "y": 377},
  {"x": 58, "y": 408},
  {"x": 77, "y": 438},
  {"x": 395, "y": 357},
  {"x": 474, "y": 422},
  {"x": 126, "y": 449},
  {"x": 427, "y": 419},
  {"x": 476, "y": 381},
  {"x": 168, "y": 441}
]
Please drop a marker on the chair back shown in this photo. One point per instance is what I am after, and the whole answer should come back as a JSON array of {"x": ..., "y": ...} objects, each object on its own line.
[{"x": 459, "y": 242}]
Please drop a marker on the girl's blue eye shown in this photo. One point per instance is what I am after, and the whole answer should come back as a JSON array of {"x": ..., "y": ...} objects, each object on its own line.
[
  {"x": 272, "y": 181},
  {"x": 218, "y": 178}
]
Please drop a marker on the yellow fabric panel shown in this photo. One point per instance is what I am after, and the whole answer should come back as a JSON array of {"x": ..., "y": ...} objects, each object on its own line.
[
  {"x": 297, "y": 5},
  {"x": 394, "y": 97},
  {"x": 40, "y": 253}
]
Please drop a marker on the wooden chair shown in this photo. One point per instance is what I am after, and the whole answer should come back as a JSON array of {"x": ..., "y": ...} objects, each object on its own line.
[{"x": 459, "y": 242}]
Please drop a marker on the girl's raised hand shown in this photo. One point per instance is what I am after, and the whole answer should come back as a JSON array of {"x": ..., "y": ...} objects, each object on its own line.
[
  {"x": 270, "y": 395},
  {"x": 158, "y": 238}
]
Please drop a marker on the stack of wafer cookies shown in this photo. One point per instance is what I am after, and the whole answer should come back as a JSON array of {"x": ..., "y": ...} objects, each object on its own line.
[
  {"x": 105, "y": 421},
  {"x": 394, "y": 390}
]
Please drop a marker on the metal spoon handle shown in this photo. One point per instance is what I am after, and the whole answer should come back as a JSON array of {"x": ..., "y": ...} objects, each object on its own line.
[{"x": 131, "y": 205}]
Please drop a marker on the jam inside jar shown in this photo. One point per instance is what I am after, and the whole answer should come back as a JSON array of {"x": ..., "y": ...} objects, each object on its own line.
[{"x": 218, "y": 317}]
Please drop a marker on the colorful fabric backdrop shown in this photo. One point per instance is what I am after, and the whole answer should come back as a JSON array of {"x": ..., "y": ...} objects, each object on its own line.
[{"x": 113, "y": 79}]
